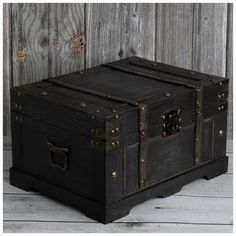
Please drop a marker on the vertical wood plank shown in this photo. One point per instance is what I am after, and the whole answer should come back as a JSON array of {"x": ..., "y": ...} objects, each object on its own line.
[
  {"x": 66, "y": 37},
  {"x": 138, "y": 30},
  {"x": 174, "y": 34},
  {"x": 7, "y": 67},
  {"x": 229, "y": 66},
  {"x": 103, "y": 33},
  {"x": 210, "y": 26},
  {"x": 29, "y": 42},
  {"x": 116, "y": 31}
]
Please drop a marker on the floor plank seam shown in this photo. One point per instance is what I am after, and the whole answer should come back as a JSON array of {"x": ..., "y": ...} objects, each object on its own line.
[{"x": 124, "y": 222}]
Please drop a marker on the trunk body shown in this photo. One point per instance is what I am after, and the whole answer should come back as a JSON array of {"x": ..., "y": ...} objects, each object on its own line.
[{"x": 118, "y": 134}]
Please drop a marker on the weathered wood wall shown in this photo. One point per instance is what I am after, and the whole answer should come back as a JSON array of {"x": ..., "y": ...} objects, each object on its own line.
[{"x": 44, "y": 40}]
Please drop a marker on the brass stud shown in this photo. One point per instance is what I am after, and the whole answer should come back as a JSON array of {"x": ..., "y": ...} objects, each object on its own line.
[
  {"x": 142, "y": 160},
  {"x": 20, "y": 107},
  {"x": 170, "y": 116},
  {"x": 117, "y": 130},
  {"x": 142, "y": 133},
  {"x": 197, "y": 139},
  {"x": 112, "y": 131},
  {"x": 117, "y": 142},
  {"x": 219, "y": 108},
  {"x": 44, "y": 93},
  {"x": 180, "y": 127},
  {"x": 164, "y": 133},
  {"x": 142, "y": 108},
  {"x": 180, "y": 119},
  {"x": 223, "y": 95},
  {"x": 198, "y": 103},
  {"x": 164, "y": 125},
  {"x": 142, "y": 181},
  {"x": 219, "y": 96},
  {"x": 222, "y": 107},
  {"x": 17, "y": 118},
  {"x": 197, "y": 160},
  {"x": 220, "y": 83},
  {"x": 16, "y": 106},
  {"x": 82, "y": 104},
  {"x": 221, "y": 132},
  {"x": 163, "y": 117},
  {"x": 113, "y": 144},
  {"x": 178, "y": 111},
  {"x": 97, "y": 111},
  {"x": 141, "y": 124},
  {"x": 117, "y": 116},
  {"x": 167, "y": 94},
  {"x": 114, "y": 174},
  {"x": 198, "y": 112}
]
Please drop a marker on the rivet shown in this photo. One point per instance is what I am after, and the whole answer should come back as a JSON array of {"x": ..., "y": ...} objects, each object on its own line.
[
  {"x": 113, "y": 144},
  {"x": 141, "y": 124},
  {"x": 117, "y": 116},
  {"x": 142, "y": 108},
  {"x": 114, "y": 174},
  {"x": 220, "y": 83},
  {"x": 44, "y": 93},
  {"x": 20, "y": 107},
  {"x": 164, "y": 125},
  {"x": 198, "y": 89},
  {"x": 180, "y": 127},
  {"x": 197, "y": 159},
  {"x": 113, "y": 110},
  {"x": 112, "y": 131},
  {"x": 223, "y": 95},
  {"x": 198, "y": 112},
  {"x": 164, "y": 133},
  {"x": 219, "y": 108},
  {"x": 117, "y": 130},
  {"x": 221, "y": 132},
  {"x": 19, "y": 93},
  {"x": 222, "y": 107},
  {"x": 198, "y": 103},
  {"x": 82, "y": 104},
  {"x": 197, "y": 139},
  {"x": 167, "y": 94},
  {"x": 142, "y": 133},
  {"x": 20, "y": 119},
  {"x": 170, "y": 116},
  {"x": 142, "y": 181},
  {"x": 178, "y": 111},
  {"x": 142, "y": 160},
  {"x": 97, "y": 111},
  {"x": 163, "y": 117},
  {"x": 219, "y": 96},
  {"x": 117, "y": 142},
  {"x": 17, "y": 118},
  {"x": 16, "y": 106},
  {"x": 180, "y": 119}
]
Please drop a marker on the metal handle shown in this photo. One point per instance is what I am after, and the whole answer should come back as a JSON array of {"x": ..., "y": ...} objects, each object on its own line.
[{"x": 58, "y": 156}]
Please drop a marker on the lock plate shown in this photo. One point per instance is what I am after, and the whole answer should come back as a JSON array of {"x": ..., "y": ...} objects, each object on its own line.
[{"x": 171, "y": 123}]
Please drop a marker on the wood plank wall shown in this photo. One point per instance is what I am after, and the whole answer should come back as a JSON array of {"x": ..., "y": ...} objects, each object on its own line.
[{"x": 44, "y": 40}]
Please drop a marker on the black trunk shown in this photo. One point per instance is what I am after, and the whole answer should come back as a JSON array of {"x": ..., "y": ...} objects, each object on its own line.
[{"x": 118, "y": 134}]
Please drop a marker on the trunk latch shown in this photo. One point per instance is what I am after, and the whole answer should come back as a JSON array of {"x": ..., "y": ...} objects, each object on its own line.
[{"x": 171, "y": 122}]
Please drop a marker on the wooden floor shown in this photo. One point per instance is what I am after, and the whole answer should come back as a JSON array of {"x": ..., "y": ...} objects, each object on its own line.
[{"x": 202, "y": 206}]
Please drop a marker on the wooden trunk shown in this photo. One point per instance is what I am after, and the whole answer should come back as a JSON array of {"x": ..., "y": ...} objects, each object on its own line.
[{"x": 110, "y": 137}]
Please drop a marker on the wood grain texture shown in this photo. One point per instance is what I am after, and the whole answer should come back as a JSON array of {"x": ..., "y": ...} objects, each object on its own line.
[
  {"x": 229, "y": 66},
  {"x": 138, "y": 30},
  {"x": 66, "y": 38},
  {"x": 174, "y": 34},
  {"x": 116, "y": 31},
  {"x": 129, "y": 227},
  {"x": 209, "y": 46},
  {"x": 29, "y": 42},
  {"x": 7, "y": 68},
  {"x": 103, "y": 33}
]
